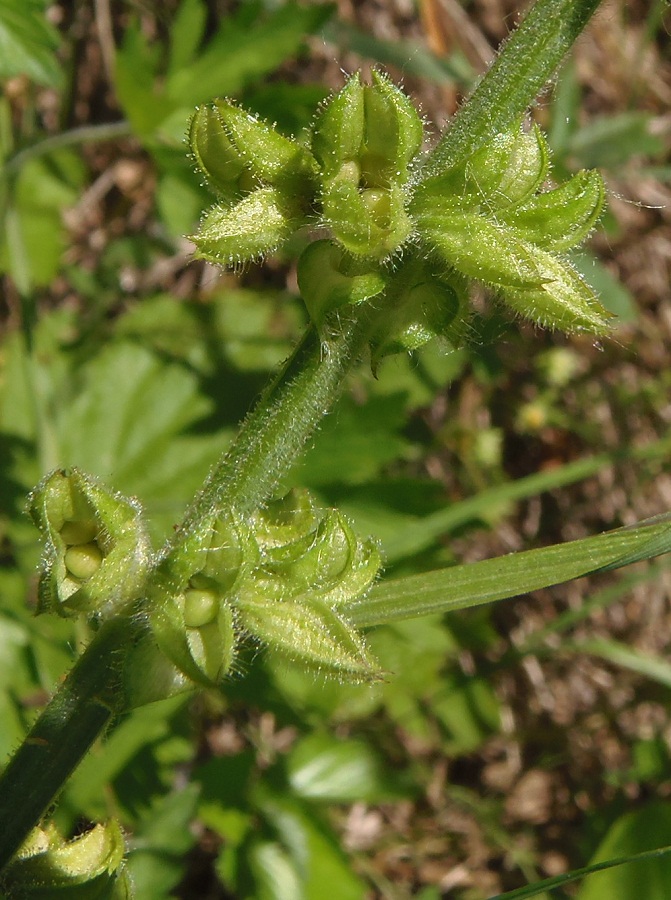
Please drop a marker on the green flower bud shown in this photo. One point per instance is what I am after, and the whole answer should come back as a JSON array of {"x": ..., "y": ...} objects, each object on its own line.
[
  {"x": 310, "y": 633},
  {"x": 257, "y": 225},
  {"x": 190, "y": 599},
  {"x": 367, "y": 222},
  {"x": 267, "y": 183},
  {"x": 329, "y": 278},
  {"x": 561, "y": 218},
  {"x": 311, "y": 562},
  {"x": 97, "y": 550},
  {"x": 90, "y": 867},
  {"x": 365, "y": 139},
  {"x": 285, "y": 520},
  {"x": 309, "y": 552},
  {"x": 216, "y": 157},
  {"x": 238, "y": 153}
]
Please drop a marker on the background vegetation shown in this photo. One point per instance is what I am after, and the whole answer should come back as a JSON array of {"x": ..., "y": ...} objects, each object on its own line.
[{"x": 512, "y": 742}]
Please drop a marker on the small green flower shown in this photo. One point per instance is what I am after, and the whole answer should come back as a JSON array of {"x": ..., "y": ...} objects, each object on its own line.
[
  {"x": 190, "y": 606},
  {"x": 365, "y": 139},
  {"x": 266, "y": 183},
  {"x": 487, "y": 219},
  {"x": 97, "y": 550},
  {"x": 279, "y": 578}
]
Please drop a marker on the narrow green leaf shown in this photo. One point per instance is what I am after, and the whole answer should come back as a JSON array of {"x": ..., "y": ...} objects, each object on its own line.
[
  {"x": 465, "y": 586},
  {"x": 643, "y": 663},
  {"x": 420, "y": 534},
  {"x": 533, "y": 890}
]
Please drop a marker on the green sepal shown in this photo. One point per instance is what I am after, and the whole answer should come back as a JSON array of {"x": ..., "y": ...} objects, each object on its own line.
[
  {"x": 238, "y": 153},
  {"x": 97, "y": 551},
  {"x": 329, "y": 278},
  {"x": 480, "y": 248},
  {"x": 364, "y": 140},
  {"x": 189, "y": 600},
  {"x": 90, "y": 867},
  {"x": 266, "y": 154},
  {"x": 369, "y": 222},
  {"x": 509, "y": 169},
  {"x": 216, "y": 157},
  {"x": 308, "y": 632},
  {"x": 310, "y": 552},
  {"x": 258, "y": 224},
  {"x": 427, "y": 306},
  {"x": 561, "y": 218},
  {"x": 563, "y": 301},
  {"x": 393, "y": 132},
  {"x": 285, "y": 520},
  {"x": 338, "y": 130}
]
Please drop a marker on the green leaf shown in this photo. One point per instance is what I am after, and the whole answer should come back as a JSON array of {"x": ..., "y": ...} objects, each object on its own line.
[
  {"x": 157, "y": 861},
  {"x": 241, "y": 52},
  {"x": 28, "y": 42},
  {"x": 315, "y": 850},
  {"x": 127, "y": 423},
  {"x": 325, "y": 768},
  {"x": 465, "y": 586},
  {"x": 643, "y": 663},
  {"x": 612, "y": 141}
]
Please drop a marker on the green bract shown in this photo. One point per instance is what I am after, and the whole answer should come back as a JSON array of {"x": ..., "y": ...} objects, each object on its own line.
[
  {"x": 399, "y": 240},
  {"x": 97, "y": 551},
  {"x": 90, "y": 867}
]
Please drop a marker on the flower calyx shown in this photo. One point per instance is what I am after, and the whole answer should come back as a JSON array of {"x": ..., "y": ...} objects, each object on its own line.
[
  {"x": 282, "y": 579},
  {"x": 365, "y": 140},
  {"x": 190, "y": 599},
  {"x": 312, "y": 565},
  {"x": 89, "y": 867},
  {"x": 97, "y": 552},
  {"x": 489, "y": 220},
  {"x": 265, "y": 183}
]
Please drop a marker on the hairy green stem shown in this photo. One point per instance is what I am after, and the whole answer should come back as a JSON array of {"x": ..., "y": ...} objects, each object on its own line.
[
  {"x": 276, "y": 430},
  {"x": 529, "y": 58},
  {"x": 79, "y": 711}
]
